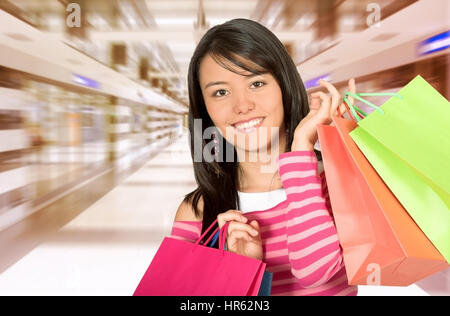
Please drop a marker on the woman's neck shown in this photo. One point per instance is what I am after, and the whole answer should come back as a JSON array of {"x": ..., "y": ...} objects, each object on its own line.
[{"x": 260, "y": 175}]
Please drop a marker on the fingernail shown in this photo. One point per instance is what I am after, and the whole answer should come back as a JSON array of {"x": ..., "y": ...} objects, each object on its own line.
[{"x": 254, "y": 233}]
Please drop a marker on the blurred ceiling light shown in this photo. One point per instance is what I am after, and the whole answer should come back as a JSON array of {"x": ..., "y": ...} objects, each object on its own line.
[
  {"x": 85, "y": 81},
  {"x": 274, "y": 13},
  {"x": 232, "y": 5},
  {"x": 217, "y": 20},
  {"x": 132, "y": 21},
  {"x": 347, "y": 20},
  {"x": 434, "y": 44},
  {"x": 182, "y": 48},
  {"x": 98, "y": 21},
  {"x": 54, "y": 21},
  {"x": 306, "y": 20},
  {"x": 271, "y": 20},
  {"x": 174, "y": 21},
  {"x": 169, "y": 5}
]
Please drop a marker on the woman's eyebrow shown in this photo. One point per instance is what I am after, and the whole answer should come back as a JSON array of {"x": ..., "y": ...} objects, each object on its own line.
[{"x": 214, "y": 83}]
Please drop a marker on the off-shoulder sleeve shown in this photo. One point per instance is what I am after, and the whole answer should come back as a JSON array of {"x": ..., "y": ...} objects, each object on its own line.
[{"x": 186, "y": 230}]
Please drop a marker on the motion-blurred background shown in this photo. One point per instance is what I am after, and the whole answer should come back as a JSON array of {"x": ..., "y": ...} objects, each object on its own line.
[{"x": 93, "y": 111}]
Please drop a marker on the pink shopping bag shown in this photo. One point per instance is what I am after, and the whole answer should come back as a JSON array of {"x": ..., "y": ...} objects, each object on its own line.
[{"x": 182, "y": 268}]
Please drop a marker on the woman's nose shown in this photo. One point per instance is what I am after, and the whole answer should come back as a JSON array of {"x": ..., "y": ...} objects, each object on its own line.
[{"x": 243, "y": 104}]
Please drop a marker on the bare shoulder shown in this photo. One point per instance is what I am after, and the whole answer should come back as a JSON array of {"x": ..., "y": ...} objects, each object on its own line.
[{"x": 185, "y": 211}]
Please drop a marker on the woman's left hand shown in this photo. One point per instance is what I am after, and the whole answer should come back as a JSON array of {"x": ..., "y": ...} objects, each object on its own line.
[{"x": 322, "y": 108}]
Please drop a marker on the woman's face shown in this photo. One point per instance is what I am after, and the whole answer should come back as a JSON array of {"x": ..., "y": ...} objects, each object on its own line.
[{"x": 243, "y": 108}]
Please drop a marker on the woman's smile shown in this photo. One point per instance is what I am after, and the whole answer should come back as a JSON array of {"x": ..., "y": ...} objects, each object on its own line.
[{"x": 248, "y": 126}]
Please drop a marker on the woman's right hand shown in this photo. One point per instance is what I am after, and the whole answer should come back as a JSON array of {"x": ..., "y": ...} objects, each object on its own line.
[{"x": 242, "y": 238}]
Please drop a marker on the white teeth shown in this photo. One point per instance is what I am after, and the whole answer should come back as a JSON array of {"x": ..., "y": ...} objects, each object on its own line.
[{"x": 249, "y": 124}]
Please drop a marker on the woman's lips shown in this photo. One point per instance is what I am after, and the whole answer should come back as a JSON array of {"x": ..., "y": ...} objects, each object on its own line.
[{"x": 249, "y": 126}]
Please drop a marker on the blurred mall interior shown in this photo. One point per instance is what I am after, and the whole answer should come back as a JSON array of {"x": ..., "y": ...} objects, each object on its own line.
[{"x": 94, "y": 154}]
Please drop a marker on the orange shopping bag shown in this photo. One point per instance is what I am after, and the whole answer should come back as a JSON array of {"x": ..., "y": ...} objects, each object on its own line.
[{"x": 382, "y": 245}]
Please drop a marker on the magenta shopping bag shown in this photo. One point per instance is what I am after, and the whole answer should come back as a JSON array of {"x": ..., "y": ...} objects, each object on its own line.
[{"x": 182, "y": 268}]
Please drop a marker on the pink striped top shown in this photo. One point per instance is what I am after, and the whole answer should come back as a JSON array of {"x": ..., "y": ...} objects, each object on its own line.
[{"x": 300, "y": 241}]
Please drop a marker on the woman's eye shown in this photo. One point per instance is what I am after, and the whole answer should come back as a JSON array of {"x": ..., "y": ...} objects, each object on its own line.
[
  {"x": 258, "y": 84},
  {"x": 220, "y": 93}
]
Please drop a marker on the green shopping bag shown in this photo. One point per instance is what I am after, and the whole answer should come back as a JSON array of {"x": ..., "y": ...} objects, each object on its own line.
[{"x": 407, "y": 141}]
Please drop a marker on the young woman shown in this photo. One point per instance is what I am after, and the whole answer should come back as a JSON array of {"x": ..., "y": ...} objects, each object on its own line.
[{"x": 242, "y": 81}]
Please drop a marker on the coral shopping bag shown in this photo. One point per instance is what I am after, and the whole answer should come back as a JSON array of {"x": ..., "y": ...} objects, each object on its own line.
[
  {"x": 182, "y": 268},
  {"x": 381, "y": 244},
  {"x": 407, "y": 141}
]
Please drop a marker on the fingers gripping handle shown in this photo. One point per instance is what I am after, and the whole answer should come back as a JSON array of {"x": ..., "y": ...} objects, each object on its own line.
[
  {"x": 358, "y": 96},
  {"x": 223, "y": 236},
  {"x": 206, "y": 232}
]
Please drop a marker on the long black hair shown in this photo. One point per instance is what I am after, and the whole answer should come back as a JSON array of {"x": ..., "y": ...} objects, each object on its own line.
[{"x": 234, "y": 41}]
